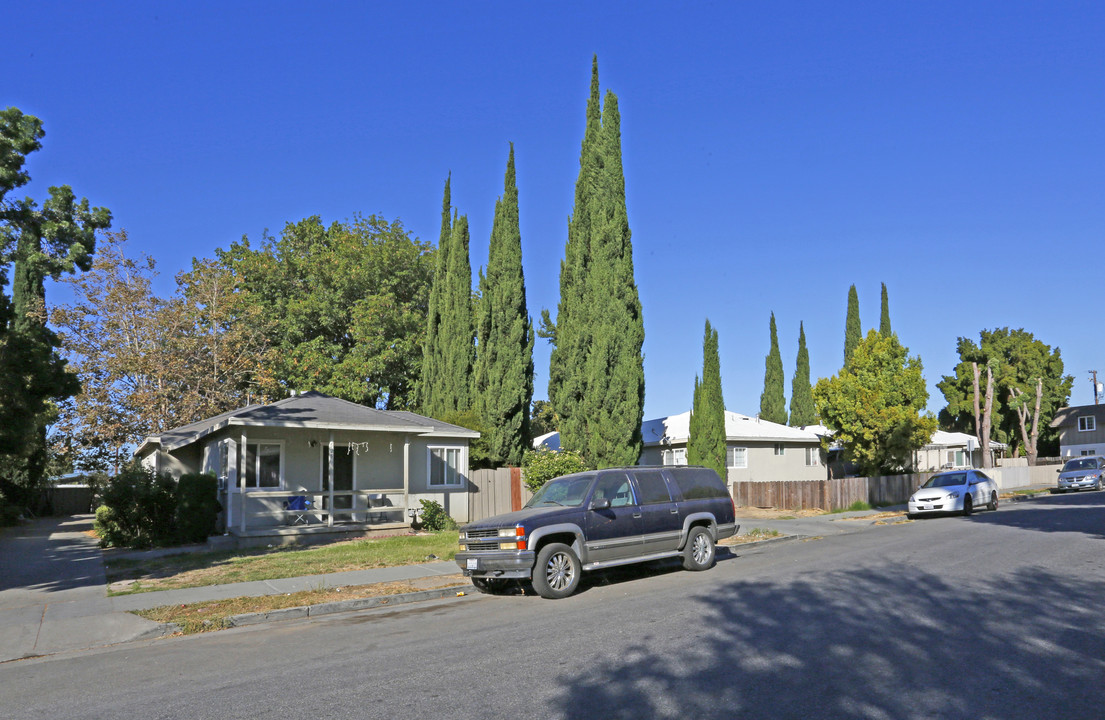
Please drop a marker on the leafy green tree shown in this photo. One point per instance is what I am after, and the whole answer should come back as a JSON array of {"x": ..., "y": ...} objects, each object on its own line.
[
  {"x": 346, "y": 308},
  {"x": 706, "y": 445},
  {"x": 773, "y": 405},
  {"x": 541, "y": 465},
  {"x": 884, "y": 318},
  {"x": 596, "y": 377},
  {"x": 49, "y": 242},
  {"x": 802, "y": 409},
  {"x": 504, "y": 362},
  {"x": 432, "y": 381},
  {"x": 542, "y": 419},
  {"x": 1029, "y": 385},
  {"x": 853, "y": 331},
  {"x": 875, "y": 406}
]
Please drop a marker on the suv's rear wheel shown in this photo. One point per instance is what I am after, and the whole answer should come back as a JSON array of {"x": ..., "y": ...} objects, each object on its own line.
[
  {"x": 699, "y": 553},
  {"x": 556, "y": 574}
]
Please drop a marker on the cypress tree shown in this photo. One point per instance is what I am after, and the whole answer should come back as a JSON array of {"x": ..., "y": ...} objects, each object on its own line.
[
  {"x": 570, "y": 335},
  {"x": 802, "y": 409},
  {"x": 504, "y": 359},
  {"x": 706, "y": 445},
  {"x": 884, "y": 320},
  {"x": 457, "y": 331},
  {"x": 853, "y": 333},
  {"x": 773, "y": 405},
  {"x": 431, "y": 400}
]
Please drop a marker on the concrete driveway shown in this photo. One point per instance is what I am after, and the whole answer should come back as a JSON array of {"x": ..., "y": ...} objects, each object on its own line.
[{"x": 53, "y": 595}]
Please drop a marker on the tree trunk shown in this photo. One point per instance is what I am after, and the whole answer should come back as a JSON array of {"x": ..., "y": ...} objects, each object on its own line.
[
  {"x": 982, "y": 417},
  {"x": 1029, "y": 438}
]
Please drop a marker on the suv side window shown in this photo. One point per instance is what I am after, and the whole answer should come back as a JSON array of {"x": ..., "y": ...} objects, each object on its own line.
[
  {"x": 652, "y": 486},
  {"x": 614, "y": 487},
  {"x": 698, "y": 483}
]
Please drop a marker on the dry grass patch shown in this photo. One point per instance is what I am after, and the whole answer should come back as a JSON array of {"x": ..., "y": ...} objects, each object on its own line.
[
  {"x": 777, "y": 513},
  {"x": 215, "y": 615}
]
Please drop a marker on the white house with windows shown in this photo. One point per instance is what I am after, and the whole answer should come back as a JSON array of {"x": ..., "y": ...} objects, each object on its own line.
[
  {"x": 954, "y": 451},
  {"x": 312, "y": 463},
  {"x": 1081, "y": 430},
  {"x": 755, "y": 449}
]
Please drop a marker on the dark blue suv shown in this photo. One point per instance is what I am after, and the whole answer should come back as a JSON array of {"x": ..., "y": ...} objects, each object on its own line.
[{"x": 599, "y": 519}]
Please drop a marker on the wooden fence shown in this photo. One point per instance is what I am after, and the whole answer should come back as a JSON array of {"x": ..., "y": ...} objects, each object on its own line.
[{"x": 491, "y": 492}]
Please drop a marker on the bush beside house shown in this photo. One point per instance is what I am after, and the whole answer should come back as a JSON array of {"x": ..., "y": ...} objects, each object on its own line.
[{"x": 142, "y": 509}]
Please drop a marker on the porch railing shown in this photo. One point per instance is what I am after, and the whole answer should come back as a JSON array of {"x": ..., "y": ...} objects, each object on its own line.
[{"x": 266, "y": 508}]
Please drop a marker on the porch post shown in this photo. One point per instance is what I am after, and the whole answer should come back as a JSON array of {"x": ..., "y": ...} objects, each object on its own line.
[
  {"x": 243, "y": 458},
  {"x": 406, "y": 472},
  {"x": 330, "y": 481}
]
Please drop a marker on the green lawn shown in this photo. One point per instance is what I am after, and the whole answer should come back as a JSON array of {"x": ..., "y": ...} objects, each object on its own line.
[{"x": 170, "y": 572}]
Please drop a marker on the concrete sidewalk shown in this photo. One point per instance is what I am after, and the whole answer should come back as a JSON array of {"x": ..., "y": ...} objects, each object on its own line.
[{"x": 53, "y": 591}]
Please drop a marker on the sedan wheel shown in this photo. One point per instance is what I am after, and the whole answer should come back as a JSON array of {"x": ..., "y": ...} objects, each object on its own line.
[
  {"x": 993, "y": 501},
  {"x": 967, "y": 503}
]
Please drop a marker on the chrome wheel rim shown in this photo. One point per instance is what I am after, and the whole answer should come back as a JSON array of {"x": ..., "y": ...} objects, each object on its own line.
[
  {"x": 701, "y": 550},
  {"x": 559, "y": 573}
]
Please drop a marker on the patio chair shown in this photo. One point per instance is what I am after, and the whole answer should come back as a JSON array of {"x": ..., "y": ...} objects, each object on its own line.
[{"x": 297, "y": 506}]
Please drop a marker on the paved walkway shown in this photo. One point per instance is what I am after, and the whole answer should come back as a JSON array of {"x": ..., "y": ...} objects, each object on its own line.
[{"x": 53, "y": 592}]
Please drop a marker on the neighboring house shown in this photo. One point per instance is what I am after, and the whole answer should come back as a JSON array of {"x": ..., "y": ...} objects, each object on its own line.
[
  {"x": 954, "y": 450},
  {"x": 755, "y": 449},
  {"x": 312, "y": 461},
  {"x": 1081, "y": 430}
]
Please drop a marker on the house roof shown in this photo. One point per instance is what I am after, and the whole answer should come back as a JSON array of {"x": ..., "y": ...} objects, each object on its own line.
[
  {"x": 943, "y": 438},
  {"x": 677, "y": 429},
  {"x": 309, "y": 410},
  {"x": 1070, "y": 415}
]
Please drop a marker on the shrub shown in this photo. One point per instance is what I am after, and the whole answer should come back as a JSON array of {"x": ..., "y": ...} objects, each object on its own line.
[
  {"x": 9, "y": 513},
  {"x": 434, "y": 517},
  {"x": 197, "y": 509},
  {"x": 541, "y": 465},
  {"x": 139, "y": 509}
]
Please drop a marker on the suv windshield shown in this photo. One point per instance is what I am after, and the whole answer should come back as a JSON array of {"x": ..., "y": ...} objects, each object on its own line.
[
  {"x": 568, "y": 491},
  {"x": 1081, "y": 464}
]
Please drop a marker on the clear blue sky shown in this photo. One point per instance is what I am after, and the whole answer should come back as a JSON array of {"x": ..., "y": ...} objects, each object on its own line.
[{"x": 775, "y": 152}]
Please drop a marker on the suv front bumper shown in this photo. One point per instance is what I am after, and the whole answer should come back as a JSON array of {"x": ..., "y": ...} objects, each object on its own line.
[{"x": 501, "y": 564}]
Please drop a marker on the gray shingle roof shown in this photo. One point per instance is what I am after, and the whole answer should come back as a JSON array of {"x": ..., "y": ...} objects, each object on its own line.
[{"x": 310, "y": 409}]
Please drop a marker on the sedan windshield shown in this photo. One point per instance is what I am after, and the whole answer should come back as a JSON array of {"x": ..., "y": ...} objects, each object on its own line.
[
  {"x": 1081, "y": 464},
  {"x": 946, "y": 480},
  {"x": 568, "y": 491}
]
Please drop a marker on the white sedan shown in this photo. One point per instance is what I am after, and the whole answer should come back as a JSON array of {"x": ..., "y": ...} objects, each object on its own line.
[{"x": 958, "y": 491}]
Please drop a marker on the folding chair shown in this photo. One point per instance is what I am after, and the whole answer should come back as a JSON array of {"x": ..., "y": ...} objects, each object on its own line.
[{"x": 297, "y": 506}]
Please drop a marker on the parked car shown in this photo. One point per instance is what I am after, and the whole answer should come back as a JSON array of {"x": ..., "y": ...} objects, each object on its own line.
[
  {"x": 600, "y": 519},
  {"x": 959, "y": 491},
  {"x": 1082, "y": 473}
]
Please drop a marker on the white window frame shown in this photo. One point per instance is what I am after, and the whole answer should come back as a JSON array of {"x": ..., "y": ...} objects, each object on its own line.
[
  {"x": 1087, "y": 423},
  {"x": 679, "y": 456},
  {"x": 736, "y": 457},
  {"x": 257, "y": 459},
  {"x": 1088, "y": 453},
  {"x": 813, "y": 457},
  {"x": 457, "y": 474},
  {"x": 780, "y": 449}
]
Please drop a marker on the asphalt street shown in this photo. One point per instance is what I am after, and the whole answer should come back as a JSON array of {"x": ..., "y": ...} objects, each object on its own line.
[{"x": 1000, "y": 615}]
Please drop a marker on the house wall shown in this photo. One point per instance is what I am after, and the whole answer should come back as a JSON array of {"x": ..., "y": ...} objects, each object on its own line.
[
  {"x": 763, "y": 465},
  {"x": 1075, "y": 442}
]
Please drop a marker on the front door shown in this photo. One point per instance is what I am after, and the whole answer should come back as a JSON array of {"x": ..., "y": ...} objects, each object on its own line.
[
  {"x": 613, "y": 533},
  {"x": 343, "y": 482}
]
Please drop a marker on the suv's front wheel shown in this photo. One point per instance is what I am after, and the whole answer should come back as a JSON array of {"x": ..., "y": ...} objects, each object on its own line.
[
  {"x": 556, "y": 574},
  {"x": 699, "y": 553}
]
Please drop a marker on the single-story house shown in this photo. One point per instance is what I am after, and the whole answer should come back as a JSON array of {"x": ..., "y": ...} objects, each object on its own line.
[
  {"x": 954, "y": 450},
  {"x": 1081, "y": 430},
  {"x": 756, "y": 450},
  {"x": 312, "y": 462}
]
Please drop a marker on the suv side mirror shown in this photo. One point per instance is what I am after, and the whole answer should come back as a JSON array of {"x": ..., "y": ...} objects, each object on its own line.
[{"x": 601, "y": 504}]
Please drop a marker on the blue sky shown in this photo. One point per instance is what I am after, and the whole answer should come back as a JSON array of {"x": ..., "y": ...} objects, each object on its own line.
[{"x": 775, "y": 153}]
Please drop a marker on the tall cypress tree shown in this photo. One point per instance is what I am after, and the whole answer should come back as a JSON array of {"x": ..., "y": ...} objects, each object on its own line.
[
  {"x": 570, "y": 335},
  {"x": 802, "y": 409},
  {"x": 884, "y": 320},
  {"x": 431, "y": 400},
  {"x": 457, "y": 331},
  {"x": 773, "y": 404},
  {"x": 853, "y": 332},
  {"x": 706, "y": 445},
  {"x": 504, "y": 360},
  {"x": 596, "y": 376}
]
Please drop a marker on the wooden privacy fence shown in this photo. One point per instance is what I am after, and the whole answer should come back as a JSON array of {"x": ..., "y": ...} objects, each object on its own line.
[
  {"x": 491, "y": 492},
  {"x": 801, "y": 494}
]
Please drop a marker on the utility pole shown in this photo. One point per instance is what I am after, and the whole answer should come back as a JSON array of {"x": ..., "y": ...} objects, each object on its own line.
[{"x": 1093, "y": 374}]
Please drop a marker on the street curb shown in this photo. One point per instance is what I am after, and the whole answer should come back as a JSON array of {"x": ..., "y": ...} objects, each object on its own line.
[
  {"x": 765, "y": 541},
  {"x": 1027, "y": 498},
  {"x": 305, "y": 611}
]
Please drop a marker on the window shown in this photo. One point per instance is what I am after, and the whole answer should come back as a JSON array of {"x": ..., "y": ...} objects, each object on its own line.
[
  {"x": 956, "y": 458},
  {"x": 778, "y": 448},
  {"x": 652, "y": 486},
  {"x": 264, "y": 465},
  {"x": 678, "y": 456},
  {"x": 615, "y": 488},
  {"x": 1084, "y": 453},
  {"x": 1086, "y": 423},
  {"x": 445, "y": 465},
  {"x": 813, "y": 457},
  {"x": 736, "y": 457}
]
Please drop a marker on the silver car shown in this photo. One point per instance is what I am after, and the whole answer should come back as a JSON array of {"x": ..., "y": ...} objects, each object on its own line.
[
  {"x": 958, "y": 491},
  {"x": 1082, "y": 473}
]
